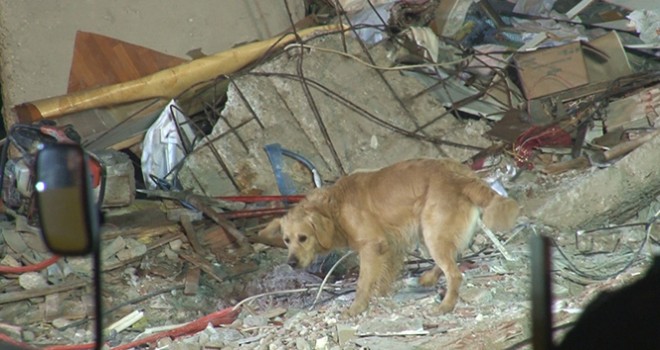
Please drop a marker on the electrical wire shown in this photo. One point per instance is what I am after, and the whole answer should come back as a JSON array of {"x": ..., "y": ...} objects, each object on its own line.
[
  {"x": 626, "y": 266},
  {"x": 374, "y": 66},
  {"x": 327, "y": 275},
  {"x": 368, "y": 115}
]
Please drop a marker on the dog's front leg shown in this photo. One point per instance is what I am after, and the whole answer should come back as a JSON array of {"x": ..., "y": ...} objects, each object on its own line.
[{"x": 371, "y": 264}]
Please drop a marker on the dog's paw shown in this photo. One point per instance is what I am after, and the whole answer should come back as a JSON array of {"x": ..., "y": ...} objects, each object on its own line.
[
  {"x": 356, "y": 309},
  {"x": 443, "y": 308},
  {"x": 428, "y": 279},
  {"x": 346, "y": 315}
]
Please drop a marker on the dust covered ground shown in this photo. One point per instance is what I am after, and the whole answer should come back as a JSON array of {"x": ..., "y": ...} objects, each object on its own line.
[{"x": 281, "y": 308}]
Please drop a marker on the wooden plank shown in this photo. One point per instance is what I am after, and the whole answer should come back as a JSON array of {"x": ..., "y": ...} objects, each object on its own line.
[
  {"x": 108, "y": 233},
  {"x": 203, "y": 264},
  {"x": 160, "y": 242},
  {"x": 34, "y": 293},
  {"x": 99, "y": 60},
  {"x": 191, "y": 283},
  {"x": 166, "y": 83},
  {"x": 191, "y": 234}
]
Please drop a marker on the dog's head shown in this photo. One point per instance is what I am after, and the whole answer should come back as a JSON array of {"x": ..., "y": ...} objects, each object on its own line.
[{"x": 305, "y": 232}]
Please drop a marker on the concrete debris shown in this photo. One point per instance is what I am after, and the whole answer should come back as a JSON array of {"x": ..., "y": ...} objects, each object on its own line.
[{"x": 270, "y": 102}]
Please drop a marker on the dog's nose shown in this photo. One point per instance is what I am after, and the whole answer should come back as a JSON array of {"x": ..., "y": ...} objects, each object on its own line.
[{"x": 293, "y": 262}]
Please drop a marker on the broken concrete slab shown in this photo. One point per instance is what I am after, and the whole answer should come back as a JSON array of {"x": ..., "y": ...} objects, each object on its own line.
[
  {"x": 358, "y": 126},
  {"x": 590, "y": 198}
]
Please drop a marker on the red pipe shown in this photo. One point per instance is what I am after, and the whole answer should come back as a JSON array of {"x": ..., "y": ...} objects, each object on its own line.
[
  {"x": 253, "y": 199},
  {"x": 251, "y": 213}
]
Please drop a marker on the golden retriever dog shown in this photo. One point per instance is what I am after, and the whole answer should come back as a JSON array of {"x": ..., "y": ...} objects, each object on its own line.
[{"x": 382, "y": 214}]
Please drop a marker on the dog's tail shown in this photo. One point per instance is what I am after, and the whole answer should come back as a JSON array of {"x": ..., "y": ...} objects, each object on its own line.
[{"x": 499, "y": 213}]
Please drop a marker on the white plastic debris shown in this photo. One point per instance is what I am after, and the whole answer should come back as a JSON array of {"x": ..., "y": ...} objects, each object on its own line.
[
  {"x": 162, "y": 148},
  {"x": 368, "y": 21},
  {"x": 647, "y": 24}
]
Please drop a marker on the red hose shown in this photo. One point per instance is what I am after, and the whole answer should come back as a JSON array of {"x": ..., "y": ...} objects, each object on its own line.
[
  {"x": 29, "y": 268},
  {"x": 8, "y": 340},
  {"x": 225, "y": 316},
  {"x": 71, "y": 347},
  {"x": 217, "y": 318}
]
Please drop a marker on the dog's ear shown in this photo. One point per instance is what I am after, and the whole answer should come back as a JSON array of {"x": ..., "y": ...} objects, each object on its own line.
[
  {"x": 271, "y": 234},
  {"x": 324, "y": 230}
]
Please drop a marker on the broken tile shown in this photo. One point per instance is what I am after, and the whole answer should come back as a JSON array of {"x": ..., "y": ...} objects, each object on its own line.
[
  {"x": 175, "y": 245},
  {"x": 345, "y": 333},
  {"x": 111, "y": 249},
  {"x": 32, "y": 280},
  {"x": 255, "y": 321},
  {"x": 302, "y": 344},
  {"x": 61, "y": 322},
  {"x": 321, "y": 343},
  {"x": 14, "y": 240},
  {"x": 81, "y": 266},
  {"x": 394, "y": 325},
  {"x": 272, "y": 313},
  {"x": 384, "y": 343},
  {"x": 133, "y": 249},
  {"x": 476, "y": 295},
  {"x": 9, "y": 260}
]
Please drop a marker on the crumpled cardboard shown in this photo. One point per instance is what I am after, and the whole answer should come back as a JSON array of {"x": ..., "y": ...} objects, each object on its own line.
[{"x": 550, "y": 70}]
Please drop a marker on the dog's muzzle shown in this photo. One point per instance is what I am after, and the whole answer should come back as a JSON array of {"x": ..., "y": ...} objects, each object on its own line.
[{"x": 293, "y": 262}]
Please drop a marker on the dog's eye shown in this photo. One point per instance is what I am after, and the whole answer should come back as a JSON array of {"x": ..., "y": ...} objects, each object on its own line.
[
  {"x": 302, "y": 239},
  {"x": 287, "y": 240}
]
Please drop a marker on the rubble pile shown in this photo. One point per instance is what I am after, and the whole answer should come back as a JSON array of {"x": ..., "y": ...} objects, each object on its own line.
[{"x": 555, "y": 103}]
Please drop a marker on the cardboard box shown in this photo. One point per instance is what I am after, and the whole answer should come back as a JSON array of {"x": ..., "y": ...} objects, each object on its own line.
[{"x": 547, "y": 71}]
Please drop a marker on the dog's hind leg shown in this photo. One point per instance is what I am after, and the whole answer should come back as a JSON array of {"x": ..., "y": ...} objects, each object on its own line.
[
  {"x": 444, "y": 253},
  {"x": 445, "y": 236}
]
